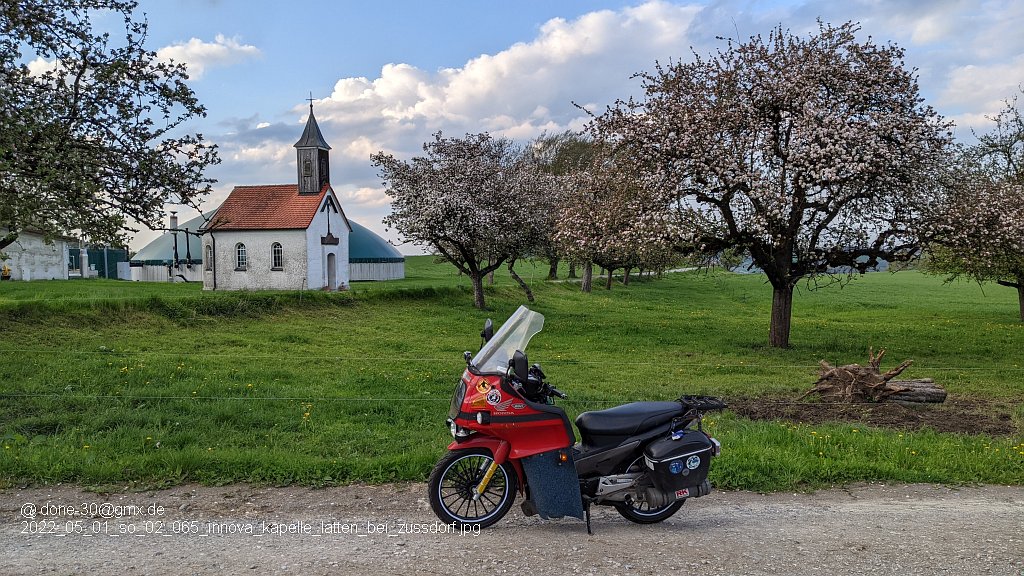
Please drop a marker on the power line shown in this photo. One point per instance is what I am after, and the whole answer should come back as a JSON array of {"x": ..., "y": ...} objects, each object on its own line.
[{"x": 457, "y": 357}]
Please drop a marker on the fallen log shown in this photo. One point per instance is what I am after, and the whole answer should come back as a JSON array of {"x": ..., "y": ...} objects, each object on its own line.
[{"x": 923, "y": 390}]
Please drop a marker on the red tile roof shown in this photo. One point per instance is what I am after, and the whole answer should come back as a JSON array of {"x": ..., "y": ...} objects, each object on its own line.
[{"x": 269, "y": 207}]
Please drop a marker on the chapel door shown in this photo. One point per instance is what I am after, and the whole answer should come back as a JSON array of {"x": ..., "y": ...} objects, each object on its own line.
[{"x": 332, "y": 272}]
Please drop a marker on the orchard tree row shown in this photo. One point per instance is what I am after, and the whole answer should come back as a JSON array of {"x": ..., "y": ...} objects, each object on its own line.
[{"x": 815, "y": 156}]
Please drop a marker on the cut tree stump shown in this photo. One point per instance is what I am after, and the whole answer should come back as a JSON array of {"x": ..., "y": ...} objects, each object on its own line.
[{"x": 856, "y": 383}]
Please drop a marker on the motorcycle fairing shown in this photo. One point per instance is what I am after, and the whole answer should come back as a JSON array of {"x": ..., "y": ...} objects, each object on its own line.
[
  {"x": 530, "y": 427},
  {"x": 554, "y": 485}
]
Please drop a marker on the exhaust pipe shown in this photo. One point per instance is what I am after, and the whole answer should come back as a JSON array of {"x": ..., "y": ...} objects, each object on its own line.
[{"x": 656, "y": 498}]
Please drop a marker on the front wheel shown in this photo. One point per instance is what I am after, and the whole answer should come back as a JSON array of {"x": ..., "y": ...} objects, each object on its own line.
[{"x": 453, "y": 483}]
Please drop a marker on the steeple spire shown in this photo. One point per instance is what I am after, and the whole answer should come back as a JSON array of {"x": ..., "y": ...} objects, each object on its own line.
[{"x": 312, "y": 157}]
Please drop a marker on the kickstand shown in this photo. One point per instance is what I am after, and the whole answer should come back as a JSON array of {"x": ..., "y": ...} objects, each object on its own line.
[{"x": 586, "y": 512}]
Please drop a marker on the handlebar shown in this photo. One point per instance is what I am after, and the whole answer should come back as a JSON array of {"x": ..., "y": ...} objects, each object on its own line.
[{"x": 556, "y": 392}]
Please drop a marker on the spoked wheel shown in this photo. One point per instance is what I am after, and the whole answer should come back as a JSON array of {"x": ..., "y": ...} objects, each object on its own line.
[
  {"x": 453, "y": 484},
  {"x": 642, "y": 512}
]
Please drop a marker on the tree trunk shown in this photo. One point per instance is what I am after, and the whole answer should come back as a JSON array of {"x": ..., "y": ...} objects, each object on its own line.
[
  {"x": 625, "y": 277},
  {"x": 782, "y": 312},
  {"x": 572, "y": 269},
  {"x": 918, "y": 391},
  {"x": 553, "y": 270},
  {"x": 512, "y": 272},
  {"x": 608, "y": 280},
  {"x": 478, "y": 291},
  {"x": 1020, "y": 296},
  {"x": 588, "y": 277}
]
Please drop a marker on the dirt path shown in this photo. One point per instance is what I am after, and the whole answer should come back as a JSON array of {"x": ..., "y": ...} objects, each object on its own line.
[{"x": 871, "y": 529}]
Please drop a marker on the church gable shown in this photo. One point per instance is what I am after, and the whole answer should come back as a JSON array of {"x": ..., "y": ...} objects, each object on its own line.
[{"x": 334, "y": 218}]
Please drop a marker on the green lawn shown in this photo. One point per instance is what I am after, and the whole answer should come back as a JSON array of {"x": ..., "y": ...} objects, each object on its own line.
[{"x": 109, "y": 382}]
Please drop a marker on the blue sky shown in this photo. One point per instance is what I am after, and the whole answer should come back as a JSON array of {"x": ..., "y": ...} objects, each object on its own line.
[{"x": 386, "y": 75}]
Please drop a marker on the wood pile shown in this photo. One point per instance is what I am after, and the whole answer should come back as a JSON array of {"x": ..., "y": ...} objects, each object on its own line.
[{"x": 856, "y": 383}]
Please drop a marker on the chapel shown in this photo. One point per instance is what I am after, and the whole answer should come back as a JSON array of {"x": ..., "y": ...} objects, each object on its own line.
[{"x": 292, "y": 236}]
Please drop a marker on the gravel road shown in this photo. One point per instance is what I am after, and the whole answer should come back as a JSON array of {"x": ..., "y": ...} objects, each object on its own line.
[{"x": 864, "y": 529}]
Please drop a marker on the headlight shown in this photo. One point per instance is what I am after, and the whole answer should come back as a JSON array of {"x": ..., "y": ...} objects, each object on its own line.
[
  {"x": 454, "y": 428},
  {"x": 457, "y": 398}
]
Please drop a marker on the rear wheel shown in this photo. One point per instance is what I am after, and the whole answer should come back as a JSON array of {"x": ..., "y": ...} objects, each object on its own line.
[
  {"x": 453, "y": 484},
  {"x": 641, "y": 512}
]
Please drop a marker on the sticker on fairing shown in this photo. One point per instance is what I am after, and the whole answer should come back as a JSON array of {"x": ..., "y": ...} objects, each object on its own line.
[
  {"x": 693, "y": 462},
  {"x": 675, "y": 467},
  {"x": 494, "y": 397},
  {"x": 684, "y": 493}
]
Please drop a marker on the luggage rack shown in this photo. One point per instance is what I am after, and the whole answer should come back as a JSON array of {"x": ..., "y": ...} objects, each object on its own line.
[{"x": 702, "y": 403}]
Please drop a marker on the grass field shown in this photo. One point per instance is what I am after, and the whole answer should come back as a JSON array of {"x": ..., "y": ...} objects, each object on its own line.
[{"x": 112, "y": 383}]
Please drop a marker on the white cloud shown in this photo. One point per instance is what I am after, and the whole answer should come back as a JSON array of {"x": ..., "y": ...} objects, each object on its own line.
[
  {"x": 41, "y": 66},
  {"x": 365, "y": 196},
  {"x": 986, "y": 85},
  {"x": 360, "y": 148},
  {"x": 199, "y": 55},
  {"x": 518, "y": 92},
  {"x": 266, "y": 152}
]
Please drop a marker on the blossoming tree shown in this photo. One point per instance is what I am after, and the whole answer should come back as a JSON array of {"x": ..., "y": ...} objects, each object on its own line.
[
  {"x": 978, "y": 229},
  {"x": 810, "y": 153},
  {"x": 608, "y": 218},
  {"x": 478, "y": 201},
  {"x": 92, "y": 125}
]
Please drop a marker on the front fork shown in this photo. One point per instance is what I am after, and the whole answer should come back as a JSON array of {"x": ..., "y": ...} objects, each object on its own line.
[
  {"x": 482, "y": 486},
  {"x": 500, "y": 455}
]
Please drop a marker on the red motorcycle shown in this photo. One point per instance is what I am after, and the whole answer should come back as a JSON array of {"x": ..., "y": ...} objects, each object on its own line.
[{"x": 643, "y": 458}]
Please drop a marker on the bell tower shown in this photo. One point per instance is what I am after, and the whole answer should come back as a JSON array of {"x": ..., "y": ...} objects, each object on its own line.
[{"x": 312, "y": 157}]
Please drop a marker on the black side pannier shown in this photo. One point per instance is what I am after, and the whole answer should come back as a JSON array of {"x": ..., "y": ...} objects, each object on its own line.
[{"x": 680, "y": 461}]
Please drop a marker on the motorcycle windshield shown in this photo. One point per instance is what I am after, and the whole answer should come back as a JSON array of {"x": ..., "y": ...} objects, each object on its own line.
[{"x": 513, "y": 335}]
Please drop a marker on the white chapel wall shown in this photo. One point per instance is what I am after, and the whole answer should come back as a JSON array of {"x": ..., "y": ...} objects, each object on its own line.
[{"x": 258, "y": 275}]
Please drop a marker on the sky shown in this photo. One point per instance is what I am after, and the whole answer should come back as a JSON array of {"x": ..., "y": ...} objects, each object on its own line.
[{"x": 386, "y": 75}]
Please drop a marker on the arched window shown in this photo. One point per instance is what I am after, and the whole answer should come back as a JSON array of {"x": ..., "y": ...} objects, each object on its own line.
[
  {"x": 276, "y": 256},
  {"x": 241, "y": 259},
  {"x": 208, "y": 259}
]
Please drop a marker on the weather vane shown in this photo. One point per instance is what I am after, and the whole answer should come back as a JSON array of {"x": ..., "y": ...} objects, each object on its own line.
[{"x": 310, "y": 100}]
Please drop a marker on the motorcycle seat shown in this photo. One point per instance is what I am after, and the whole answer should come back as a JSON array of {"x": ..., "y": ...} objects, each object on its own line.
[{"x": 628, "y": 419}]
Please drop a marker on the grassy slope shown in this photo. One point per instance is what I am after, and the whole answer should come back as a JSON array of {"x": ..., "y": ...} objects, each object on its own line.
[{"x": 107, "y": 382}]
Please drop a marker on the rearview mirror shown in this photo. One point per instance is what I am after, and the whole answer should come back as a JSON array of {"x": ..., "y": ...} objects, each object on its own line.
[
  {"x": 488, "y": 330},
  {"x": 520, "y": 366}
]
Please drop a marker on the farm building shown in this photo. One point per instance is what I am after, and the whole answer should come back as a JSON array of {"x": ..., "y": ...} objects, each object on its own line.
[
  {"x": 155, "y": 262},
  {"x": 30, "y": 257},
  {"x": 370, "y": 257}
]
